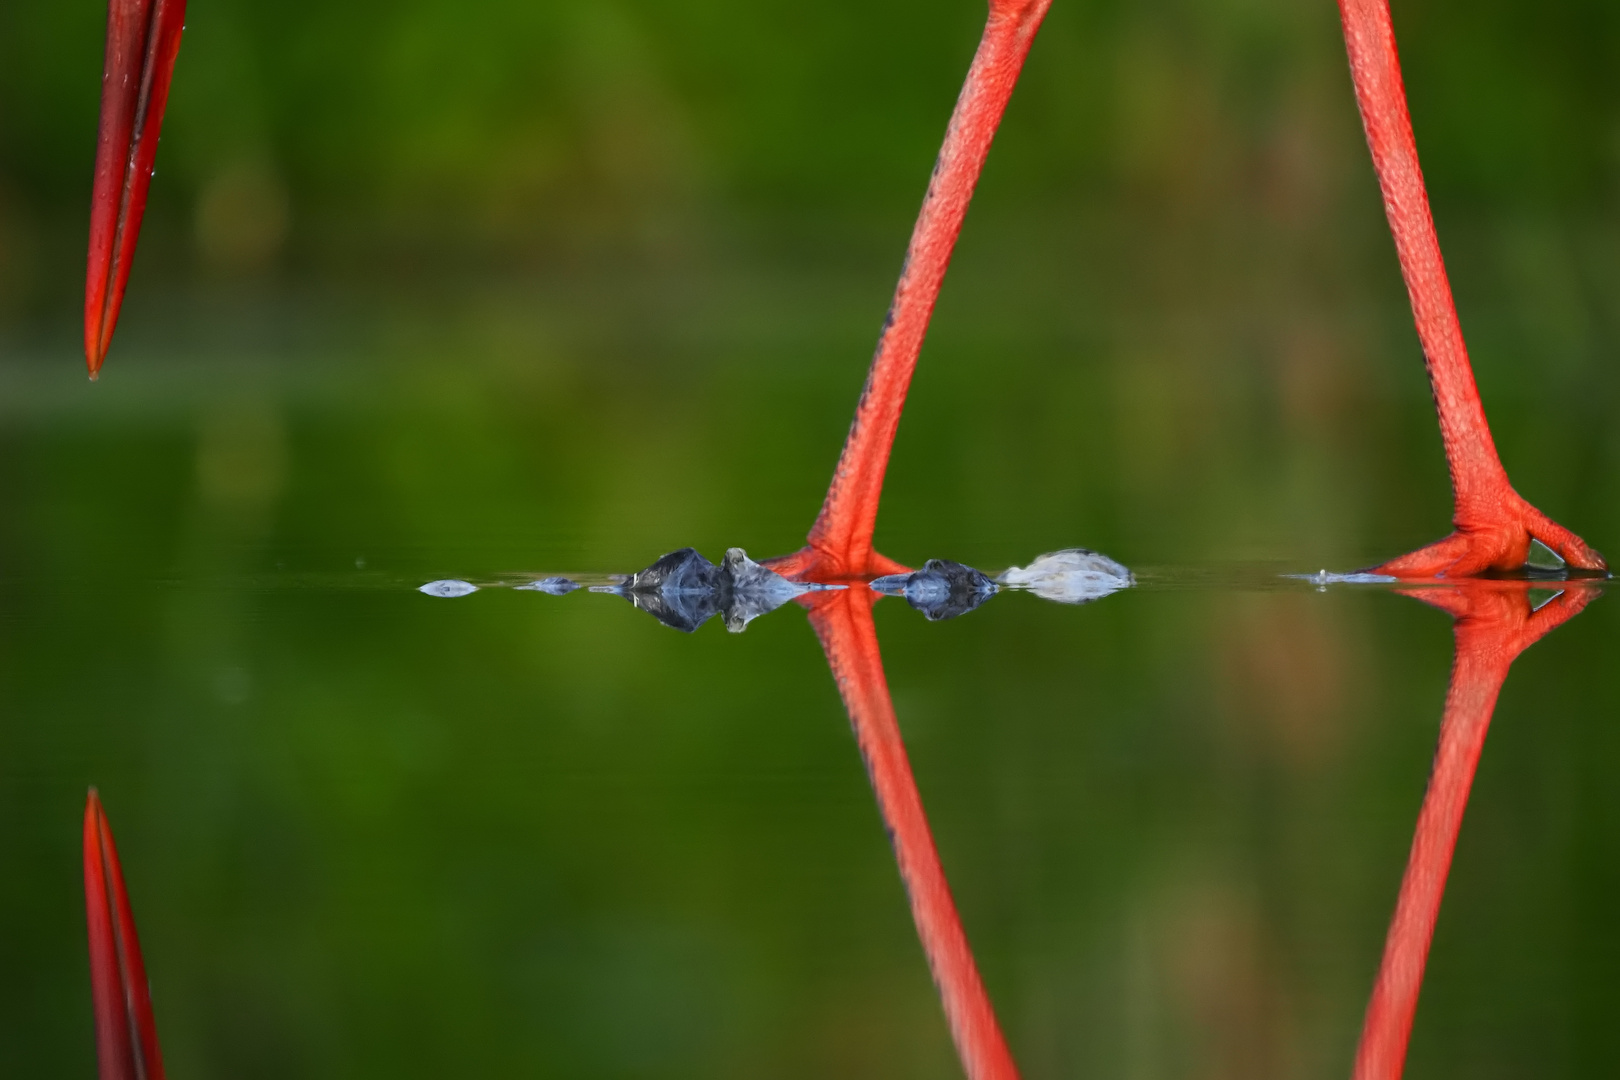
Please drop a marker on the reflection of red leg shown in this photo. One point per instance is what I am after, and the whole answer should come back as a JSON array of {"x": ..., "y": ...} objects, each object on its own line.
[
  {"x": 1494, "y": 624},
  {"x": 143, "y": 38},
  {"x": 126, "y": 1036},
  {"x": 843, "y": 621},
  {"x": 1494, "y": 524},
  {"x": 840, "y": 543}
]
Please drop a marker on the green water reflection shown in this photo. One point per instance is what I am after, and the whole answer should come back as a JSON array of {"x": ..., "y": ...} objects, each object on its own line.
[{"x": 373, "y": 832}]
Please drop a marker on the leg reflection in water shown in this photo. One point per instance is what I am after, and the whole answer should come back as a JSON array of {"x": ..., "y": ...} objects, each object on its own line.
[
  {"x": 843, "y": 622},
  {"x": 1494, "y": 623}
]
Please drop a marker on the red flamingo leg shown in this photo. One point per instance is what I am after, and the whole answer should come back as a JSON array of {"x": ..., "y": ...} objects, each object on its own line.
[
  {"x": 840, "y": 542},
  {"x": 1493, "y": 625},
  {"x": 1494, "y": 524},
  {"x": 126, "y": 1035},
  {"x": 143, "y": 38},
  {"x": 843, "y": 622}
]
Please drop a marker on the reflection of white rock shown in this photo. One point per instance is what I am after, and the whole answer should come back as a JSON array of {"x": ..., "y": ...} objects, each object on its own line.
[
  {"x": 449, "y": 588},
  {"x": 1070, "y": 576}
]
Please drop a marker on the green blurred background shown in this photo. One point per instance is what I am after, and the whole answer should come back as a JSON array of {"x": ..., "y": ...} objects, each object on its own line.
[{"x": 490, "y": 288}]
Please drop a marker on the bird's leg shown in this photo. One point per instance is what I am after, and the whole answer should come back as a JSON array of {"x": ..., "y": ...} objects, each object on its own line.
[
  {"x": 843, "y": 622},
  {"x": 840, "y": 542},
  {"x": 1494, "y": 524},
  {"x": 1494, "y": 624},
  {"x": 143, "y": 38},
  {"x": 126, "y": 1035}
]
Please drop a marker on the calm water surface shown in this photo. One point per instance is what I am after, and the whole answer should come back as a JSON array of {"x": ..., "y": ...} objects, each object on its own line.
[{"x": 372, "y": 832}]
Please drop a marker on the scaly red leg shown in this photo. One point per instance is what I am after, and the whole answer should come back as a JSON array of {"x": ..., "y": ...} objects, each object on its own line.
[
  {"x": 843, "y": 622},
  {"x": 1494, "y": 624},
  {"x": 840, "y": 542},
  {"x": 143, "y": 37},
  {"x": 1494, "y": 524},
  {"x": 126, "y": 1035}
]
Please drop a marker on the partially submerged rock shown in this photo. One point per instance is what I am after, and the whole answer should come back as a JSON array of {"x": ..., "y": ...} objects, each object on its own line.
[
  {"x": 681, "y": 589},
  {"x": 1323, "y": 578},
  {"x": 941, "y": 589},
  {"x": 555, "y": 586},
  {"x": 448, "y": 589},
  {"x": 1070, "y": 576}
]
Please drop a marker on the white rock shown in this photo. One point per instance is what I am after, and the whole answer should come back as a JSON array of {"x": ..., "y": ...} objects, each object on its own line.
[{"x": 1070, "y": 576}]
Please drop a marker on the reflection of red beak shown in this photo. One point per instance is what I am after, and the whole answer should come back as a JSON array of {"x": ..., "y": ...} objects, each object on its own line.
[
  {"x": 1493, "y": 625},
  {"x": 843, "y": 622},
  {"x": 126, "y": 1036},
  {"x": 143, "y": 37}
]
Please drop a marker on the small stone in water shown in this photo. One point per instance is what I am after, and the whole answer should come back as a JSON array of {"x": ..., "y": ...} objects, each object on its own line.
[
  {"x": 940, "y": 590},
  {"x": 556, "y": 586},
  {"x": 1323, "y": 578},
  {"x": 449, "y": 588}
]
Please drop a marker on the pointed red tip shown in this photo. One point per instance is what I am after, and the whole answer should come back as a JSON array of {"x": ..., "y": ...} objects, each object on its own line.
[
  {"x": 126, "y": 1035},
  {"x": 143, "y": 38}
]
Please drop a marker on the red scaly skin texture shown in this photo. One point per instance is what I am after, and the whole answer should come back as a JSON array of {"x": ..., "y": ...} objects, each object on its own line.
[
  {"x": 143, "y": 38},
  {"x": 1494, "y": 524},
  {"x": 126, "y": 1035},
  {"x": 1493, "y": 625},
  {"x": 840, "y": 542},
  {"x": 843, "y": 622}
]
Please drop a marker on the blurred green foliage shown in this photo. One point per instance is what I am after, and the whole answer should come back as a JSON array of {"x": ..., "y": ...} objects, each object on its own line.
[{"x": 499, "y": 128}]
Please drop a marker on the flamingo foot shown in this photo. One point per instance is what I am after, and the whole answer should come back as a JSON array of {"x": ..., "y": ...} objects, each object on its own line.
[
  {"x": 819, "y": 564},
  {"x": 1495, "y": 541}
]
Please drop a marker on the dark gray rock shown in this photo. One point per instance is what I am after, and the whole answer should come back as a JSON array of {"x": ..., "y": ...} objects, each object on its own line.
[{"x": 682, "y": 589}]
